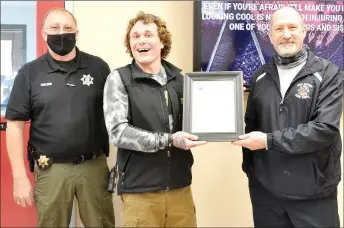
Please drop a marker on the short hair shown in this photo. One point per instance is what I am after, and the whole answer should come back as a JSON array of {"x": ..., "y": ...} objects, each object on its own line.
[
  {"x": 285, "y": 7},
  {"x": 58, "y": 10},
  {"x": 163, "y": 33}
]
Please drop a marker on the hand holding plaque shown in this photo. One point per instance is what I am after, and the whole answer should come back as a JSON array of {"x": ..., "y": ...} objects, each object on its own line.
[
  {"x": 254, "y": 140},
  {"x": 185, "y": 140}
]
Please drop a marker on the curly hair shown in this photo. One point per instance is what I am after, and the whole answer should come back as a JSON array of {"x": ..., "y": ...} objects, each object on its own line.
[{"x": 163, "y": 33}]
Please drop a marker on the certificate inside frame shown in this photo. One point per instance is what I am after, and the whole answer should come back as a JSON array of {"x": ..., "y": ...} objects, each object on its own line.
[{"x": 213, "y": 105}]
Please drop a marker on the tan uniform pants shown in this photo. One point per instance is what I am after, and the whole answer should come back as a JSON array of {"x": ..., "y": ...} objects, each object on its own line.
[
  {"x": 56, "y": 187},
  {"x": 174, "y": 208}
]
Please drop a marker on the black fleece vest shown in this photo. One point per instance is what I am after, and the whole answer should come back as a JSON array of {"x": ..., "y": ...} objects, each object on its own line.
[{"x": 166, "y": 169}]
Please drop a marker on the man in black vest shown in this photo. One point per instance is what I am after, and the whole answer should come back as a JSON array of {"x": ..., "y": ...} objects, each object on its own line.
[{"x": 143, "y": 115}]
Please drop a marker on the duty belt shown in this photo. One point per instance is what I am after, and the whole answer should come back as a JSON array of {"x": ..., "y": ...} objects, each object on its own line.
[{"x": 44, "y": 161}]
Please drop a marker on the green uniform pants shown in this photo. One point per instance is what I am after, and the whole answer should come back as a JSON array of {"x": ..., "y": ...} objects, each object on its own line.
[
  {"x": 174, "y": 208},
  {"x": 56, "y": 187}
]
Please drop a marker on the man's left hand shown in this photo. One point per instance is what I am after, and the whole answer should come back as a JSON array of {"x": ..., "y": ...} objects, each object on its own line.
[{"x": 253, "y": 141}]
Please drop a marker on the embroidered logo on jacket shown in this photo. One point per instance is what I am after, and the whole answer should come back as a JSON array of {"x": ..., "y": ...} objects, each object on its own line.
[{"x": 303, "y": 90}]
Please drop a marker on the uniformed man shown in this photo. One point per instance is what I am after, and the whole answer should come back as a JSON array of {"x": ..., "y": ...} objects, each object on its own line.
[{"x": 61, "y": 93}]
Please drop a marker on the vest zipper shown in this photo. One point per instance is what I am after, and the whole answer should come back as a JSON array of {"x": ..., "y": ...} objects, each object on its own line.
[{"x": 168, "y": 150}]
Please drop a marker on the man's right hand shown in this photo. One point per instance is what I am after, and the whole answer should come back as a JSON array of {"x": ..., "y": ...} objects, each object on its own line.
[
  {"x": 22, "y": 191},
  {"x": 185, "y": 140}
]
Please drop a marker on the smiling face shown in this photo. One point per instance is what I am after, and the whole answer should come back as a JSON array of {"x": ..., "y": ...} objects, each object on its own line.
[
  {"x": 287, "y": 32},
  {"x": 145, "y": 43}
]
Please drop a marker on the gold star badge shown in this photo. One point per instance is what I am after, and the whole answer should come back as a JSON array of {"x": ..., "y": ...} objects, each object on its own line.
[{"x": 43, "y": 161}]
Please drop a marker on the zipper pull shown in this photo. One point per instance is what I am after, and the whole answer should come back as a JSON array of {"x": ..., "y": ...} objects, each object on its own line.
[
  {"x": 166, "y": 97},
  {"x": 281, "y": 106}
]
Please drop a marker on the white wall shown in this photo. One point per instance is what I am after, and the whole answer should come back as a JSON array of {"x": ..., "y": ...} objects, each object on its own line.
[{"x": 219, "y": 186}]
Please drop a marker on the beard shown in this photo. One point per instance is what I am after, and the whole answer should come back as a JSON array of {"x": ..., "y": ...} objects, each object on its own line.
[{"x": 287, "y": 49}]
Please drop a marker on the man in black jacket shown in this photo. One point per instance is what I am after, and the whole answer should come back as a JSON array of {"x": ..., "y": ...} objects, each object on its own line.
[
  {"x": 292, "y": 149},
  {"x": 143, "y": 115}
]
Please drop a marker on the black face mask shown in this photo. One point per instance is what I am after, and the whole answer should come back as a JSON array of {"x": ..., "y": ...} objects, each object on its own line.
[{"x": 61, "y": 44}]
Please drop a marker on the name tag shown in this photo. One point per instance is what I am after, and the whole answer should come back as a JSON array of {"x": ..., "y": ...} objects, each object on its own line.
[{"x": 46, "y": 84}]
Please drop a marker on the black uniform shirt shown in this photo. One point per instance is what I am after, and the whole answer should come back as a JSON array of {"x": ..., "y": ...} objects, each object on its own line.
[{"x": 65, "y": 107}]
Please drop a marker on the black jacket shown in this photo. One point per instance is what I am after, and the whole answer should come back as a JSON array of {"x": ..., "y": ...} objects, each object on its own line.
[
  {"x": 304, "y": 142},
  {"x": 166, "y": 169}
]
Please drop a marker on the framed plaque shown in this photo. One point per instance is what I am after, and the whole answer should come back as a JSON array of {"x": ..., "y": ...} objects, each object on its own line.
[{"x": 213, "y": 105}]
